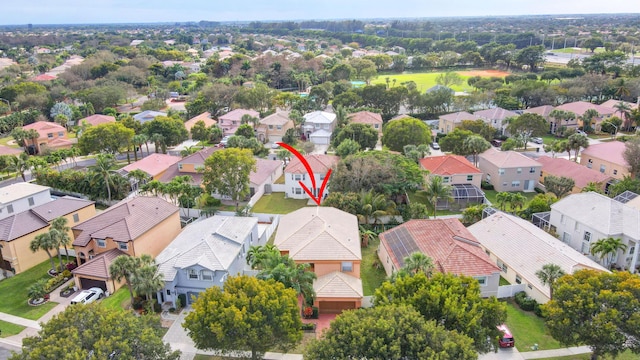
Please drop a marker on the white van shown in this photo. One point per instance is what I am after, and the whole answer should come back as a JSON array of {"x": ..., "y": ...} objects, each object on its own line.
[{"x": 88, "y": 296}]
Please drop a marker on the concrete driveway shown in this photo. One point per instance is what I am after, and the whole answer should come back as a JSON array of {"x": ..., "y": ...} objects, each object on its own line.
[{"x": 502, "y": 354}]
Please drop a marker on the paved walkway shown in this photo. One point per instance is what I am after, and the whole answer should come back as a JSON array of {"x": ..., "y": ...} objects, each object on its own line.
[{"x": 541, "y": 354}]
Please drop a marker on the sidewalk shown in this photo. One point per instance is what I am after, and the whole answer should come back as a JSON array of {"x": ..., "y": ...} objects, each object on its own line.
[{"x": 542, "y": 354}]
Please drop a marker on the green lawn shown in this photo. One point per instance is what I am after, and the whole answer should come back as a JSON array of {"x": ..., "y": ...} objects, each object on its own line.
[
  {"x": 528, "y": 329},
  {"x": 491, "y": 196},
  {"x": 371, "y": 277},
  {"x": 503, "y": 281},
  {"x": 8, "y": 329},
  {"x": 277, "y": 204},
  {"x": 423, "y": 80},
  {"x": 118, "y": 300},
  {"x": 627, "y": 355},
  {"x": 13, "y": 293}
]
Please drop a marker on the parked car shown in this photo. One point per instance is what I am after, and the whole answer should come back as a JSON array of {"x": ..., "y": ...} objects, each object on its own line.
[
  {"x": 497, "y": 143},
  {"x": 224, "y": 141},
  {"x": 506, "y": 340},
  {"x": 537, "y": 140},
  {"x": 435, "y": 146},
  {"x": 88, "y": 296},
  {"x": 581, "y": 132}
]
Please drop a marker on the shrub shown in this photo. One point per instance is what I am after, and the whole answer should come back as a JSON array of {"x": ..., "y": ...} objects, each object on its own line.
[
  {"x": 37, "y": 290},
  {"x": 156, "y": 306},
  {"x": 486, "y": 185},
  {"x": 71, "y": 265},
  {"x": 537, "y": 309},
  {"x": 182, "y": 298},
  {"x": 66, "y": 274},
  {"x": 525, "y": 302},
  {"x": 538, "y": 190},
  {"x": 309, "y": 326}
]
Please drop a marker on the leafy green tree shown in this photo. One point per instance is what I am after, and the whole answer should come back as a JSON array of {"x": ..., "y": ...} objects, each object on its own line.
[
  {"x": 549, "y": 274},
  {"x": 172, "y": 130},
  {"x": 435, "y": 189},
  {"x": 283, "y": 269},
  {"x": 389, "y": 332},
  {"x": 226, "y": 172},
  {"x": 200, "y": 132},
  {"x": 264, "y": 312},
  {"x": 454, "y": 141},
  {"x": 528, "y": 125},
  {"x": 449, "y": 78},
  {"x": 245, "y": 130},
  {"x": 479, "y": 127},
  {"x": 607, "y": 249},
  {"x": 577, "y": 142},
  {"x": 345, "y": 201},
  {"x": 365, "y": 135},
  {"x": 588, "y": 118},
  {"x": 290, "y": 137},
  {"x": 407, "y": 131},
  {"x": 61, "y": 108},
  {"x": 472, "y": 214},
  {"x": 109, "y": 137},
  {"x": 100, "y": 332},
  {"x": 502, "y": 199},
  {"x": 631, "y": 155},
  {"x": 374, "y": 206},
  {"x": 596, "y": 309},
  {"x": 450, "y": 300},
  {"x": 532, "y": 56},
  {"x": 146, "y": 279},
  {"x": 347, "y": 147},
  {"x": 20, "y": 165},
  {"x": 122, "y": 268},
  {"x": 559, "y": 185}
]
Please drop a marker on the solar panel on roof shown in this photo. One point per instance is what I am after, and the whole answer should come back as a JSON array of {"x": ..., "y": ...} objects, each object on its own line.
[{"x": 401, "y": 244}]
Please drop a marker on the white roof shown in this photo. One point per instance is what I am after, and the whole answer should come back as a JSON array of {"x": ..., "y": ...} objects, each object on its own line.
[
  {"x": 338, "y": 285},
  {"x": 601, "y": 213},
  {"x": 213, "y": 243},
  {"x": 525, "y": 248},
  {"x": 320, "y": 117},
  {"x": 320, "y": 133},
  {"x": 21, "y": 190}
]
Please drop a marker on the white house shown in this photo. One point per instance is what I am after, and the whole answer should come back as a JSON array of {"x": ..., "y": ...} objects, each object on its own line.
[
  {"x": 20, "y": 197},
  {"x": 318, "y": 126},
  {"x": 204, "y": 254},
  {"x": 296, "y": 172}
]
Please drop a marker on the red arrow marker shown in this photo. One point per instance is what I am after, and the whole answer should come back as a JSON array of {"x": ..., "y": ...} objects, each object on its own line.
[{"x": 310, "y": 172}]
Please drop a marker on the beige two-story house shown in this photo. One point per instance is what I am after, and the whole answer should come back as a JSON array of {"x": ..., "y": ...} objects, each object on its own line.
[
  {"x": 509, "y": 170},
  {"x": 606, "y": 158}
]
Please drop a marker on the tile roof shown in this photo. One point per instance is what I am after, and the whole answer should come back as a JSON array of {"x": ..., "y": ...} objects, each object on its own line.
[
  {"x": 401, "y": 116},
  {"x": 125, "y": 221},
  {"x": 264, "y": 169},
  {"x": 99, "y": 265},
  {"x": 525, "y": 248},
  {"x": 611, "y": 103},
  {"x": 582, "y": 175},
  {"x": 277, "y": 118},
  {"x": 543, "y": 110},
  {"x": 338, "y": 285},
  {"x": 320, "y": 117},
  {"x": 97, "y": 119},
  {"x": 319, "y": 164},
  {"x": 580, "y": 107},
  {"x": 20, "y": 190},
  {"x": 448, "y": 165},
  {"x": 611, "y": 151},
  {"x": 5, "y": 150},
  {"x": 237, "y": 114},
  {"x": 43, "y": 77},
  {"x": 458, "y": 117},
  {"x": 365, "y": 117},
  {"x": 447, "y": 242},
  {"x": 495, "y": 114},
  {"x": 60, "y": 207},
  {"x": 204, "y": 117},
  {"x": 148, "y": 115},
  {"x": 213, "y": 243},
  {"x": 507, "y": 159},
  {"x": 44, "y": 127},
  {"x": 319, "y": 233},
  {"x": 59, "y": 142},
  {"x": 153, "y": 164}
]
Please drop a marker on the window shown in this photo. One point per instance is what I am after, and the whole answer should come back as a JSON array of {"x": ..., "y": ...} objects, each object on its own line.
[
  {"x": 532, "y": 170},
  {"x": 347, "y": 266},
  {"x": 317, "y": 126},
  {"x": 297, "y": 191},
  {"x": 297, "y": 177},
  {"x": 180, "y": 167},
  {"x": 469, "y": 177},
  {"x": 101, "y": 243},
  {"x": 50, "y": 135},
  {"x": 529, "y": 286},
  {"x": 207, "y": 275},
  {"x": 10, "y": 209},
  {"x": 632, "y": 249},
  {"x": 279, "y": 127},
  {"x": 270, "y": 127},
  {"x": 482, "y": 280},
  {"x": 562, "y": 219},
  {"x": 504, "y": 184},
  {"x": 585, "y": 248},
  {"x": 602, "y": 168},
  {"x": 445, "y": 179},
  {"x": 376, "y": 126},
  {"x": 192, "y": 274},
  {"x": 31, "y": 202},
  {"x": 590, "y": 161},
  {"x": 488, "y": 252},
  {"x": 518, "y": 279},
  {"x": 76, "y": 218},
  {"x": 502, "y": 265},
  {"x": 515, "y": 183},
  {"x": 61, "y": 134},
  {"x": 587, "y": 236},
  {"x": 489, "y": 177},
  {"x": 168, "y": 292},
  {"x": 615, "y": 172},
  {"x": 519, "y": 170},
  {"x": 123, "y": 246},
  {"x": 500, "y": 171},
  {"x": 566, "y": 238}
]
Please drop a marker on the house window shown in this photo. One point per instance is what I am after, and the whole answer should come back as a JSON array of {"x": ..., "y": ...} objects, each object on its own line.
[
  {"x": 279, "y": 127},
  {"x": 207, "y": 275},
  {"x": 101, "y": 243},
  {"x": 502, "y": 265},
  {"x": 585, "y": 248},
  {"x": 61, "y": 134},
  {"x": 602, "y": 168},
  {"x": 469, "y": 177},
  {"x": 50, "y": 135},
  {"x": 566, "y": 238},
  {"x": 500, "y": 171},
  {"x": 347, "y": 266},
  {"x": 482, "y": 280},
  {"x": 515, "y": 183},
  {"x": 317, "y": 126},
  {"x": 488, "y": 252},
  {"x": 489, "y": 177},
  {"x": 445, "y": 179},
  {"x": 76, "y": 218},
  {"x": 297, "y": 191},
  {"x": 10, "y": 209},
  {"x": 504, "y": 184},
  {"x": 518, "y": 279},
  {"x": 615, "y": 172},
  {"x": 632, "y": 249},
  {"x": 31, "y": 202},
  {"x": 168, "y": 292},
  {"x": 519, "y": 170},
  {"x": 532, "y": 170},
  {"x": 193, "y": 274},
  {"x": 180, "y": 167},
  {"x": 123, "y": 246},
  {"x": 587, "y": 236},
  {"x": 270, "y": 127},
  {"x": 376, "y": 126},
  {"x": 297, "y": 177},
  {"x": 590, "y": 161}
]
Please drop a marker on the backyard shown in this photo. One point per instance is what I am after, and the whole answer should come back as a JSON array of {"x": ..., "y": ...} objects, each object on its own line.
[
  {"x": 277, "y": 204},
  {"x": 528, "y": 329},
  {"x": 426, "y": 80},
  {"x": 491, "y": 196},
  {"x": 371, "y": 276}
]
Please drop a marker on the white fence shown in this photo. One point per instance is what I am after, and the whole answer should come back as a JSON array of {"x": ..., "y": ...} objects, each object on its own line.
[
  {"x": 278, "y": 188},
  {"x": 507, "y": 291}
]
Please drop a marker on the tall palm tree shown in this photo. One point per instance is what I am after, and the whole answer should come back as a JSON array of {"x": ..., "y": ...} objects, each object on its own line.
[
  {"x": 139, "y": 176},
  {"x": 158, "y": 140},
  {"x": 625, "y": 113},
  {"x": 59, "y": 224},
  {"x": 474, "y": 145},
  {"x": 607, "y": 249},
  {"x": 103, "y": 169},
  {"x": 418, "y": 262},
  {"x": 374, "y": 206},
  {"x": 123, "y": 267},
  {"x": 517, "y": 201},
  {"x": 587, "y": 119},
  {"x": 577, "y": 142},
  {"x": 20, "y": 165},
  {"x": 47, "y": 243},
  {"x": 366, "y": 235},
  {"x": 549, "y": 274},
  {"x": 147, "y": 280},
  {"x": 436, "y": 189}
]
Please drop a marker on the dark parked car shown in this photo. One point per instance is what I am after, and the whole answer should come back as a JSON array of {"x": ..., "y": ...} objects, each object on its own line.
[{"x": 496, "y": 142}]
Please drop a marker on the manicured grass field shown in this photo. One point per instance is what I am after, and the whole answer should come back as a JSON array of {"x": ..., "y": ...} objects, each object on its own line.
[
  {"x": 277, "y": 204},
  {"x": 371, "y": 277},
  {"x": 118, "y": 300},
  {"x": 491, "y": 196},
  {"x": 528, "y": 329},
  {"x": 627, "y": 355},
  {"x": 425, "y": 80},
  {"x": 8, "y": 329}
]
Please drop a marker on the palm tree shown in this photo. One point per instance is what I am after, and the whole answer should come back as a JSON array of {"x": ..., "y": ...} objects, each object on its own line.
[
  {"x": 258, "y": 256},
  {"x": 577, "y": 142},
  {"x": 102, "y": 169},
  {"x": 20, "y": 165},
  {"x": 418, "y": 262},
  {"x": 503, "y": 198},
  {"x": 475, "y": 144},
  {"x": 139, "y": 176},
  {"x": 46, "y": 242},
  {"x": 549, "y": 274},
  {"x": 607, "y": 249},
  {"x": 436, "y": 189},
  {"x": 374, "y": 205},
  {"x": 123, "y": 267},
  {"x": 158, "y": 140},
  {"x": 625, "y": 113},
  {"x": 517, "y": 201},
  {"x": 147, "y": 280},
  {"x": 62, "y": 234},
  {"x": 587, "y": 119},
  {"x": 366, "y": 235},
  {"x": 137, "y": 141}
]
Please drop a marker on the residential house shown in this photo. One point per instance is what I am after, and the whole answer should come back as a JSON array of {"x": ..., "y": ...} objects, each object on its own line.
[
  {"x": 154, "y": 165},
  {"x": 580, "y": 108},
  {"x": 318, "y": 126},
  {"x": 96, "y": 119},
  {"x": 296, "y": 171},
  {"x": 328, "y": 239},
  {"x": 20, "y": 228},
  {"x": 612, "y": 103},
  {"x": 607, "y": 158},
  {"x": 449, "y": 122},
  {"x": 520, "y": 249},
  {"x": 51, "y": 135},
  {"x": 19, "y": 197},
  {"x": 230, "y": 121},
  {"x": 260, "y": 180},
  {"x": 204, "y": 254},
  {"x": 273, "y": 127},
  {"x": 448, "y": 243},
  {"x": 509, "y": 170},
  {"x": 204, "y": 117},
  {"x": 368, "y": 118},
  {"x": 136, "y": 226},
  {"x": 191, "y": 165},
  {"x": 566, "y": 168},
  {"x": 555, "y": 125},
  {"x": 457, "y": 172},
  {"x": 496, "y": 117},
  {"x": 148, "y": 115},
  {"x": 543, "y": 111},
  {"x": 582, "y": 219}
]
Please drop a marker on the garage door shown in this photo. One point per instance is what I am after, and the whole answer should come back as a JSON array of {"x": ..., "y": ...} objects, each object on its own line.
[
  {"x": 334, "y": 307},
  {"x": 89, "y": 283},
  {"x": 320, "y": 140}
]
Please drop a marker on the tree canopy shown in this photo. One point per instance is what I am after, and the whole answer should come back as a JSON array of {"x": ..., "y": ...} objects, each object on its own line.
[
  {"x": 408, "y": 131},
  {"x": 109, "y": 137},
  {"x": 363, "y": 134},
  {"x": 227, "y": 171}
]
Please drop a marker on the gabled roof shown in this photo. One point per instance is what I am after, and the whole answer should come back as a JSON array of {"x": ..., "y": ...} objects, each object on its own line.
[
  {"x": 319, "y": 164},
  {"x": 448, "y": 165},
  {"x": 213, "y": 243},
  {"x": 611, "y": 103},
  {"x": 44, "y": 127},
  {"x": 97, "y": 119},
  {"x": 507, "y": 159},
  {"x": 525, "y": 248},
  {"x": 401, "y": 116},
  {"x": 125, "y": 221},
  {"x": 60, "y": 207},
  {"x": 264, "y": 169},
  {"x": 601, "y": 212},
  {"x": 366, "y": 117},
  {"x": 148, "y": 115},
  {"x": 611, "y": 151},
  {"x": 337, "y": 284},
  {"x": 320, "y": 133},
  {"x": 582, "y": 175},
  {"x": 59, "y": 142},
  {"x": 20, "y": 190},
  {"x": 543, "y": 110},
  {"x": 495, "y": 114},
  {"x": 580, "y": 107},
  {"x": 204, "y": 117},
  {"x": 319, "y": 233},
  {"x": 43, "y": 77},
  {"x": 153, "y": 164},
  {"x": 99, "y": 265},
  {"x": 237, "y": 114},
  {"x": 320, "y": 117},
  {"x": 447, "y": 242},
  {"x": 459, "y": 117},
  {"x": 278, "y": 118}
]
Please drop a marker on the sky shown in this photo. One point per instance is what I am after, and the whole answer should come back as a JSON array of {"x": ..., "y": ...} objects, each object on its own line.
[{"x": 138, "y": 11}]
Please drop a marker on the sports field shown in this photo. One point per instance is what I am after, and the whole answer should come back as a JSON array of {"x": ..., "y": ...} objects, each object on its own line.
[{"x": 426, "y": 80}]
